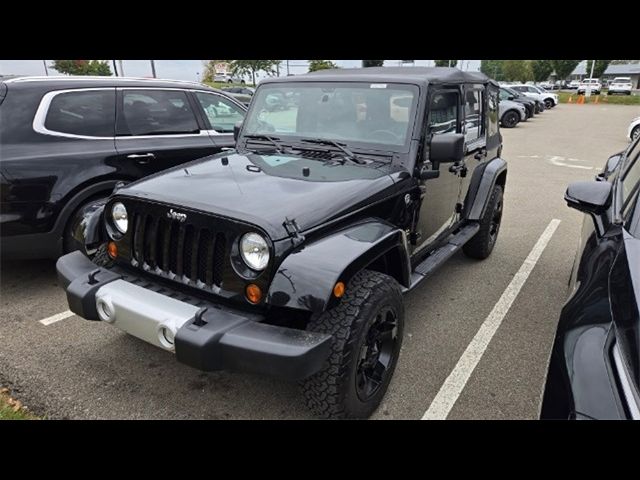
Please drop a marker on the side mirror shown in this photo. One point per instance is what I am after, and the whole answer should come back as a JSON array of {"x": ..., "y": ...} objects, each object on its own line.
[
  {"x": 612, "y": 164},
  {"x": 446, "y": 148},
  {"x": 236, "y": 131},
  {"x": 511, "y": 97},
  {"x": 589, "y": 197}
]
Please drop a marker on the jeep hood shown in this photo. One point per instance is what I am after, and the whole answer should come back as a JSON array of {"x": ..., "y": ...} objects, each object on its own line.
[{"x": 267, "y": 189}]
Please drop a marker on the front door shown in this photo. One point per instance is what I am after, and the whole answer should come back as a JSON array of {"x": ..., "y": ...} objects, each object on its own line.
[
  {"x": 157, "y": 129},
  {"x": 440, "y": 195}
]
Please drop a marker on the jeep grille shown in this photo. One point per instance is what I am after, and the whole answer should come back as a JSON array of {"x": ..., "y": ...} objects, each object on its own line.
[{"x": 173, "y": 248}]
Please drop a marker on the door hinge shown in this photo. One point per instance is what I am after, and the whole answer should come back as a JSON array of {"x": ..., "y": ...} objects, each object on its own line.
[{"x": 293, "y": 230}]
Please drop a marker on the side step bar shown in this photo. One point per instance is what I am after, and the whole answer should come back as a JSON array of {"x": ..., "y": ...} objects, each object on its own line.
[{"x": 442, "y": 254}]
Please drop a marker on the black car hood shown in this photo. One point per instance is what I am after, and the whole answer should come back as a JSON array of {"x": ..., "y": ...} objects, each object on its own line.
[{"x": 266, "y": 189}]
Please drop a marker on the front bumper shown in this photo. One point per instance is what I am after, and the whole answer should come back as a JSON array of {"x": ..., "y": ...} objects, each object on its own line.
[{"x": 203, "y": 334}]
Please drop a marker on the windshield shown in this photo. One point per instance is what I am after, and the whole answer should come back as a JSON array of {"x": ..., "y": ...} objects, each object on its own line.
[{"x": 370, "y": 115}]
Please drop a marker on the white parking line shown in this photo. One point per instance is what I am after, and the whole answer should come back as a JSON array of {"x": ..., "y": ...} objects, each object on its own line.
[
  {"x": 457, "y": 379},
  {"x": 57, "y": 317}
]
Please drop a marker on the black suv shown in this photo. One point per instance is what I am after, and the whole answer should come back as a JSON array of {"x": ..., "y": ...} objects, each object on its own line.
[
  {"x": 290, "y": 255},
  {"x": 66, "y": 141}
]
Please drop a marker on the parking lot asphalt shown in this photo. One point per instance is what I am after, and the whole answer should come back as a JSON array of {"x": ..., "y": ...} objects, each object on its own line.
[{"x": 76, "y": 369}]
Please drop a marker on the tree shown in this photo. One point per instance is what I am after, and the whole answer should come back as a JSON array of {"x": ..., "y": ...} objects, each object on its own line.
[
  {"x": 372, "y": 63},
  {"x": 246, "y": 67},
  {"x": 83, "y": 67},
  {"x": 492, "y": 68},
  {"x": 563, "y": 68},
  {"x": 541, "y": 70},
  {"x": 517, "y": 70},
  {"x": 315, "y": 65},
  {"x": 599, "y": 68},
  {"x": 445, "y": 63},
  {"x": 210, "y": 70}
]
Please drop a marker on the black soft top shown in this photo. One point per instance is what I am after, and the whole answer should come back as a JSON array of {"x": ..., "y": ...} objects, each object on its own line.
[{"x": 414, "y": 75}]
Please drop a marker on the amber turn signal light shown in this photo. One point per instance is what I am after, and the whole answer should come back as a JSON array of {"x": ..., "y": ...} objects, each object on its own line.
[
  {"x": 253, "y": 293},
  {"x": 112, "y": 249},
  {"x": 338, "y": 290}
]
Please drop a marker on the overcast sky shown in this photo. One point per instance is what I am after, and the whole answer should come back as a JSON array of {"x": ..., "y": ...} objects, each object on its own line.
[{"x": 191, "y": 69}]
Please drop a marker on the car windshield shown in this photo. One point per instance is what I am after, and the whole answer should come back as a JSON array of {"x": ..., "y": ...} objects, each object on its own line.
[{"x": 367, "y": 115}]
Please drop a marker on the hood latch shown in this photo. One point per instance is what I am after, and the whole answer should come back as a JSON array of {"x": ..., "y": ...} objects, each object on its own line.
[{"x": 293, "y": 230}]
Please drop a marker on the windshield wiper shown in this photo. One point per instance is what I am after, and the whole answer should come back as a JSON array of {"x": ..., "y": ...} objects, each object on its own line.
[
  {"x": 349, "y": 155},
  {"x": 273, "y": 140}
]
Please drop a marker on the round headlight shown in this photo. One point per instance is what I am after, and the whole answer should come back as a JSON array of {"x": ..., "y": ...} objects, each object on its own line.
[
  {"x": 120, "y": 217},
  {"x": 254, "y": 251}
]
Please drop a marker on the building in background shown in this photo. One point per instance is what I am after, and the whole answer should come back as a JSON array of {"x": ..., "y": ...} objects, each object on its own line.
[{"x": 621, "y": 70}]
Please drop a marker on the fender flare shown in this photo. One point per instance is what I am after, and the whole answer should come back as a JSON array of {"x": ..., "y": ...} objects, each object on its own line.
[
  {"x": 306, "y": 277},
  {"x": 77, "y": 200},
  {"x": 482, "y": 182}
]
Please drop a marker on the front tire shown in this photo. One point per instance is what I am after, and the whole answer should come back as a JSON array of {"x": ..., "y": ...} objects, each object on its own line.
[
  {"x": 482, "y": 243},
  {"x": 510, "y": 119},
  {"x": 367, "y": 328},
  {"x": 548, "y": 103}
]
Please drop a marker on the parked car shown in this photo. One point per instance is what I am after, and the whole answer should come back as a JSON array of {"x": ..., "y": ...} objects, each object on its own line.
[
  {"x": 511, "y": 113},
  {"x": 590, "y": 83},
  {"x": 573, "y": 85},
  {"x": 529, "y": 103},
  {"x": 67, "y": 141},
  {"x": 228, "y": 78},
  {"x": 634, "y": 129},
  {"x": 242, "y": 94},
  {"x": 594, "y": 371},
  {"x": 620, "y": 85},
  {"x": 290, "y": 255},
  {"x": 549, "y": 99},
  {"x": 549, "y": 86}
]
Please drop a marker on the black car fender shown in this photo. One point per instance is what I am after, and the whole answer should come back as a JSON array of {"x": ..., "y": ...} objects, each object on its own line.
[
  {"x": 485, "y": 177},
  {"x": 306, "y": 278}
]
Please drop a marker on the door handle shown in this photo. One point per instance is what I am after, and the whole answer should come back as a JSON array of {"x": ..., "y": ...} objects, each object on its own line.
[{"x": 142, "y": 158}]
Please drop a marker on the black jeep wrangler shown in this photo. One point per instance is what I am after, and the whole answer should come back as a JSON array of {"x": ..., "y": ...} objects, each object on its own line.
[{"x": 289, "y": 255}]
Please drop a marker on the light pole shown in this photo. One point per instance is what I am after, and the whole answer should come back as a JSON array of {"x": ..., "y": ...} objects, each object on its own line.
[
  {"x": 153, "y": 68},
  {"x": 115, "y": 70},
  {"x": 120, "y": 68},
  {"x": 588, "y": 92},
  {"x": 46, "y": 71}
]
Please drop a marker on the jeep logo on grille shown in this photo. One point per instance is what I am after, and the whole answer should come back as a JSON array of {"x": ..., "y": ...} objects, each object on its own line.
[{"x": 181, "y": 217}]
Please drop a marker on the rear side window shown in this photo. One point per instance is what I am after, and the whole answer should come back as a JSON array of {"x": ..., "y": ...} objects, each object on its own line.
[
  {"x": 89, "y": 113},
  {"x": 156, "y": 112},
  {"x": 474, "y": 127}
]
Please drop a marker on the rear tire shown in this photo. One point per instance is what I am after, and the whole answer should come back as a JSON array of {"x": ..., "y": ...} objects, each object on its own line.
[
  {"x": 548, "y": 103},
  {"x": 367, "y": 328},
  {"x": 482, "y": 243}
]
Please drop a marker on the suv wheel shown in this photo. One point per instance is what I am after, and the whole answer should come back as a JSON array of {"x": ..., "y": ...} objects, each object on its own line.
[
  {"x": 548, "y": 103},
  {"x": 510, "y": 119},
  {"x": 635, "y": 133},
  {"x": 367, "y": 328},
  {"x": 482, "y": 243}
]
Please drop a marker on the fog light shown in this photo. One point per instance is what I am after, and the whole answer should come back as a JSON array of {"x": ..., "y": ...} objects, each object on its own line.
[
  {"x": 105, "y": 310},
  {"x": 253, "y": 292},
  {"x": 112, "y": 249},
  {"x": 167, "y": 337}
]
